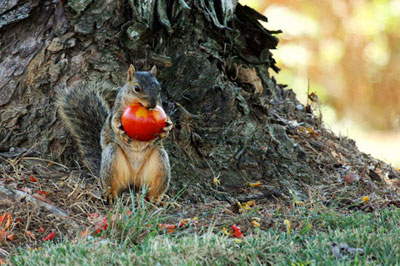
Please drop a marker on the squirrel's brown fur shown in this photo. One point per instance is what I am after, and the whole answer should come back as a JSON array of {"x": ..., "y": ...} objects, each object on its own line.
[{"x": 103, "y": 144}]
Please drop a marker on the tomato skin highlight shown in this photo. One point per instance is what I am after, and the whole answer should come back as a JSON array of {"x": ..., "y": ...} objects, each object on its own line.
[{"x": 143, "y": 124}]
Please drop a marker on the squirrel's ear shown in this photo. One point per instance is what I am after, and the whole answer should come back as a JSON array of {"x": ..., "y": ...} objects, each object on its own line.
[
  {"x": 131, "y": 73},
  {"x": 154, "y": 70}
]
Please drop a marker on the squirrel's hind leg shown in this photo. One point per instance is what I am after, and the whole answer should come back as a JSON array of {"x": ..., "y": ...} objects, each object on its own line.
[
  {"x": 155, "y": 174},
  {"x": 115, "y": 171}
]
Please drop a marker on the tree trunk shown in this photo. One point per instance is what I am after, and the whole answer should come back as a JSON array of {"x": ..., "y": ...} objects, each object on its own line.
[{"x": 232, "y": 121}]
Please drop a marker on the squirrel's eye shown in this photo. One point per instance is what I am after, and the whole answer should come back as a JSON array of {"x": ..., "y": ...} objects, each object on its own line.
[{"x": 137, "y": 88}]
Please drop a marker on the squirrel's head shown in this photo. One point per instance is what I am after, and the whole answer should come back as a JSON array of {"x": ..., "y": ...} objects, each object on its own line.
[{"x": 144, "y": 86}]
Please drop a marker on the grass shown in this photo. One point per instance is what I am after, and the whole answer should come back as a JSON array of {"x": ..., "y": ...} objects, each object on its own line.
[{"x": 135, "y": 239}]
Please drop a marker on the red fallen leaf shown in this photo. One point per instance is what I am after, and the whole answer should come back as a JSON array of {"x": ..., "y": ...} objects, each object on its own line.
[
  {"x": 170, "y": 231},
  {"x": 84, "y": 233},
  {"x": 186, "y": 221},
  {"x": 32, "y": 178},
  {"x": 93, "y": 215},
  {"x": 181, "y": 223},
  {"x": 41, "y": 192},
  {"x": 102, "y": 225},
  {"x": 49, "y": 236},
  {"x": 167, "y": 226},
  {"x": 170, "y": 227},
  {"x": 3, "y": 218},
  {"x": 2, "y": 261},
  {"x": 10, "y": 237},
  {"x": 5, "y": 235},
  {"x": 236, "y": 231},
  {"x": 41, "y": 229}
]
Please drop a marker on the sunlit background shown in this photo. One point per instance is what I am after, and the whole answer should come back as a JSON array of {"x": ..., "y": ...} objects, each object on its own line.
[{"x": 348, "y": 51}]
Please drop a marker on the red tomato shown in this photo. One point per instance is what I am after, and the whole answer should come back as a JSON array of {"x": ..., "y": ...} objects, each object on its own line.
[{"x": 143, "y": 124}]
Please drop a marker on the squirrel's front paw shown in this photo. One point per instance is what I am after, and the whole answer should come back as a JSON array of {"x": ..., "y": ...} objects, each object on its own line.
[
  {"x": 121, "y": 132},
  {"x": 168, "y": 127}
]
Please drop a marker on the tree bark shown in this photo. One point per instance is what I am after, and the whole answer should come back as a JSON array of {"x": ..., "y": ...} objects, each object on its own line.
[{"x": 232, "y": 120}]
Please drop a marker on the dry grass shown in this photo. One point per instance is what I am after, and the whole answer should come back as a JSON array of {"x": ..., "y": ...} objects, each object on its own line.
[{"x": 77, "y": 193}]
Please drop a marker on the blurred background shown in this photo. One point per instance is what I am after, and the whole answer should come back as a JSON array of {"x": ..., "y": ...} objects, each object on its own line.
[{"x": 349, "y": 53}]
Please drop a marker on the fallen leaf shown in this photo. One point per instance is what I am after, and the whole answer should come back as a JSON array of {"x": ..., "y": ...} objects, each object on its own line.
[
  {"x": 167, "y": 226},
  {"x": 32, "y": 178},
  {"x": 102, "y": 225},
  {"x": 4, "y": 235},
  {"x": 365, "y": 199},
  {"x": 41, "y": 192},
  {"x": 226, "y": 231},
  {"x": 236, "y": 231},
  {"x": 10, "y": 237},
  {"x": 41, "y": 229},
  {"x": 49, "y": 236},
  {"x": 255, "y": 223},
  {"x": 256, "y": 184},
  {"x": 182, "y": 223},
  {"x": 3, "y": 217},
  {"x": 84, "y": 233},
  {"x": 170, "y": 227},
  {"x": 246, "y": 205},
  {"x": 351, "y": 177},
  {"x": 7, "y": 219}
]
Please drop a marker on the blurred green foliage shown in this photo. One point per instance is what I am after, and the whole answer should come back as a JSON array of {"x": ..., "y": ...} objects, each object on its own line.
[{"x": 348, "y": 49}]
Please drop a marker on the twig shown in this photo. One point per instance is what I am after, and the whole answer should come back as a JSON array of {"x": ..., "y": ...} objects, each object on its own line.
[
  {"x": 20, "y": 195},
  {"x": 44, "y": 160}
]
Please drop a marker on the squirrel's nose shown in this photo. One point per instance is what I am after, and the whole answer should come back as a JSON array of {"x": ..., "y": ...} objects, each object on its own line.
[{"x": 153, "y": 102}]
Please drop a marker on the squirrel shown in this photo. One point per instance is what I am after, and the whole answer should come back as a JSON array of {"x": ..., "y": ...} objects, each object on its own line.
[{"x": 106, "y": 149}]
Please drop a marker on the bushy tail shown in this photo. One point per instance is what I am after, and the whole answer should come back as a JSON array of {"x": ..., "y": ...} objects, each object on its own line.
[{"x": 84, "y": 112}]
